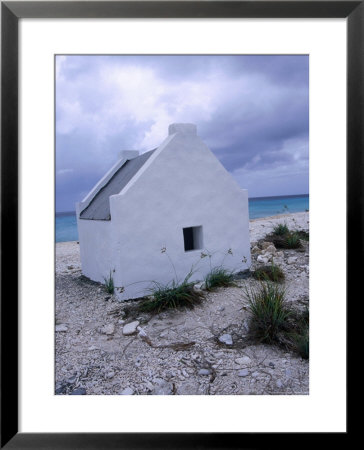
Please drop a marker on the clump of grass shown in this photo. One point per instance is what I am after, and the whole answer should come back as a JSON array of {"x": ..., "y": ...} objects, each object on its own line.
[
  {"x": 302, "y": 344},
  {"x": 288, "y": 241},
  {"x": 269, "y": 273},
  {"x": 269, "y": 313},
  {"x": 218, "y": 277},
  {"x": 171, "y": 295},
  {"x": 280, "y": 230},
  {"x": 300, "y": 333},
  {"x": 304, "y": 235},
  {"x": 283, "y": 237},
  {"x": 109, "y": 283}
]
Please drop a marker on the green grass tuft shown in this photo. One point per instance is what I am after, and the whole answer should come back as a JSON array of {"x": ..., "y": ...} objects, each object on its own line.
[
  {"x": 302, "y": 344},
  {"x": 288, "y": 241},
  {"x": 303, "y": 235},
  {"x": 109, "y": 283},
  {"x": 280, "y": 230},
  {"x": 269, "y": 273},
  {"x": 218, "y": 277},
  {"x": 171, "y": 295},
  {"x": 269, "y": 313}
]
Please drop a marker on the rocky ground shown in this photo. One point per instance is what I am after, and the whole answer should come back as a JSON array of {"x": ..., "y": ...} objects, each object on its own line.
[{"x": 107, "y": 347}]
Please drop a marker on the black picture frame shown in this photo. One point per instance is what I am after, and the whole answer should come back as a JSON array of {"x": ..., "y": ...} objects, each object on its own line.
[{"x": 11, "y": 12}]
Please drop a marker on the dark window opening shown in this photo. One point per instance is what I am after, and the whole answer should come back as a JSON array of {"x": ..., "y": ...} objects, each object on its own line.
[{"x": 192, "y": 237}]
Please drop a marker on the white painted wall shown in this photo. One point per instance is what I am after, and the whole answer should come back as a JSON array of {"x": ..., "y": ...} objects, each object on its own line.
[
  {"x": 181, "y": 185},
  {"x": 96, "y": 247}
]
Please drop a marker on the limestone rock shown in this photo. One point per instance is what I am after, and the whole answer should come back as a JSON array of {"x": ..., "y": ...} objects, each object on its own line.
[
  {"x": 204, "y": 372},
  {"x": 243, "y": 361},
  {"x": 61, "y": 328},
  {"x": 263, "y": 259},
  {"x": 243, "y": 373},
  {"x": 130, "y": 328},
  {"x": 107, "y": 329},
  {"x": 162, "y": 387},
  {"x": 127, "y": 391},
  {"x": 271, "y": 249},
  {"x": 226, "y": 339},
  {"x": 79, "y": 391}
]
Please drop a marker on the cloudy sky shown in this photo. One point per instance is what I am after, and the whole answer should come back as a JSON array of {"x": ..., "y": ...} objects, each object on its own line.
[{"x": 252, "y": 112}]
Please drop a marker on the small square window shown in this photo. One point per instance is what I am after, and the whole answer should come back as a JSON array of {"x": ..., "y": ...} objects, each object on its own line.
[{"x": 192, "y": 237}]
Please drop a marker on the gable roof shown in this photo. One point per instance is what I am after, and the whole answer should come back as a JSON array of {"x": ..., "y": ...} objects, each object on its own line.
[{"x": 99, "y": 207}]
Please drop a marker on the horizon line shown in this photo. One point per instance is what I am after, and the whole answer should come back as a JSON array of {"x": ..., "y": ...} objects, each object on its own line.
[{"x": 249, "y": 198}]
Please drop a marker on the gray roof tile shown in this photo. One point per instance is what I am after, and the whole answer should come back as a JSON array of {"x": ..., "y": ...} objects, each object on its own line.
[{"x": 99, "y": 207}]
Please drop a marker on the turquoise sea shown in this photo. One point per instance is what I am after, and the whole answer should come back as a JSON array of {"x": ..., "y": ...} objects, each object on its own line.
[{"x": 66, "y": 224}]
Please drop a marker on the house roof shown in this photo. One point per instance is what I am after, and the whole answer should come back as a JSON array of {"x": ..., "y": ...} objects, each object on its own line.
[{"x": 99, "y": 207}]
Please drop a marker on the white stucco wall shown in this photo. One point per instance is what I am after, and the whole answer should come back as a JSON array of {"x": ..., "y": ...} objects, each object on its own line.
[
  {"x": 96, "y": 249},
  {"x": 181, "y": 185}
]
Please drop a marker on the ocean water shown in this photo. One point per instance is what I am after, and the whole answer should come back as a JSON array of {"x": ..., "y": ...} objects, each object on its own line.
[
  {"x": 66, "y": 224},
  {"x": 270, "y": 206}
]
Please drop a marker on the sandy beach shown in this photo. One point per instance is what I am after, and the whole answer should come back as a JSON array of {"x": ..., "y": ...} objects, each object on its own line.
[{"x": 178, "y": 352}]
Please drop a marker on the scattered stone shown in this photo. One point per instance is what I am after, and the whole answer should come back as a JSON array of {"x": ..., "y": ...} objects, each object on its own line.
[
  {"x": 271, "y": 249},
  {"x": 61, "y": 328},
  {"x": 255, "y": 250},
  {"x": 61, "y": 389},
  {"x": 204, "y": 372},
  {"x": 127, "y": 391},
  {"x": 70, "y": 267},
  {"x": 79, "y": 391},
  {"x": 243, "y": 373},
  {"x": 221, "y": 308},
  {"x": 130, "y": 328},
  {"x": 279, "y": 383},
  {"x": 199, "y": 287},
  {"x": 226, "y": 339},
  {"x": 93, "y": 347},
  {"x": 143, "y": 335},
  {"x": 243, "y": 361},
  {"x": 265, "y": 244},
  {"x": 107, "y": 329},
  {"x": 110, "y": 374},
  {"x": 246, "y": 325},
  {"x": 255, "y": 374},
  {"x": 263, "y": 259},
  {"x": 291, "y": 260},
  {"x": 72, "y": 379},
  {"x": 163, "y": 387},
  {"x": 121, "y": 321}
]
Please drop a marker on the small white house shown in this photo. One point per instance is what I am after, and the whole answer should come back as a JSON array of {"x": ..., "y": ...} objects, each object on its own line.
[{"x": 154, "y": 216}]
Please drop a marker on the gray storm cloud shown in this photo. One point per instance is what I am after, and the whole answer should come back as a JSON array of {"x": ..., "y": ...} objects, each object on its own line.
[{"x": 252, "y": 111}]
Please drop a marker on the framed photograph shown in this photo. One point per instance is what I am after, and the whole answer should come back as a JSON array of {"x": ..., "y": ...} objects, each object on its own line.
[{"x": 138, "y": 139}]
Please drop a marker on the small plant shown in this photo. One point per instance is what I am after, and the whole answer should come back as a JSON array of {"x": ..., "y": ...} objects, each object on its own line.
[
  {"x": 269, "y": 313},
  {"x": 280, "y": 230},
  {"x": 302, "y": 344},
  {"x": 288, "y": 241},
  {"x": 269, "y": 273},
  {"x": 217, "y": 277},
  {"x": 171, "y": 295},
  {"x": 292, "y": 240},
  {"x": 109, "y": 283},
  {"x": 304, "y": 235},
  {"x": 301, "y": 337}
]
